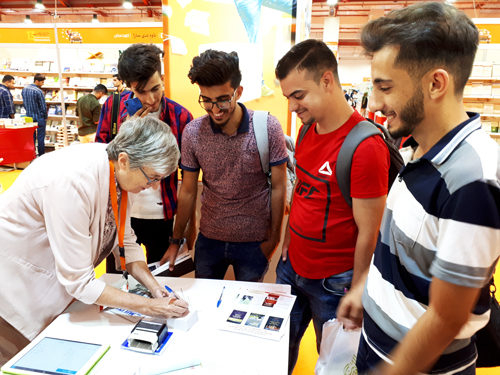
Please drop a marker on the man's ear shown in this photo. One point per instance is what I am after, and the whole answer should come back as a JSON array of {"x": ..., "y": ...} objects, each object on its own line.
[
  {"x": 438, "y": 83},
  {"x": 239, "y": 92},
  {"x": 328, "y": 80}
]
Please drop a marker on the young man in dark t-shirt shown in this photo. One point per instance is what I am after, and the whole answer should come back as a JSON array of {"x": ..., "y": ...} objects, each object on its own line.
[
  {"x": 328, "y": 245},
  {"x": 88, "y": 109}
]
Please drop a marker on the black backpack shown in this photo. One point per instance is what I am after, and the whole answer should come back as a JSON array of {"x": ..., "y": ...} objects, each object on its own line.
[{"x": 358, "y": 134}]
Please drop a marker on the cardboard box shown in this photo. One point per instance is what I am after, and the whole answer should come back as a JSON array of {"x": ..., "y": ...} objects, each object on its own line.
[
  {"x": 487, "y": 89},
  {"x": 496, "y": 109},
  {"x": 479, "y": 107},
  {"x": 487, "y": 70},
  {"x": 477, "y": 70},
  {"x": 488, "y": 108},
  {"x": 477, "y": 88},
  {"x": 495, "y": 90},
  {"x": 496, "y": 70}
]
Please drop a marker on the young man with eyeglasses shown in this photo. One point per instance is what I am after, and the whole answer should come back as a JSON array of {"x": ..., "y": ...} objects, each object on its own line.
[
  {"x": 241, "y": 215},
  {"x": 153, "y": 211}
]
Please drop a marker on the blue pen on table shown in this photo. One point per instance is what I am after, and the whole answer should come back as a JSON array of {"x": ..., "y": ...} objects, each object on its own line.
[
  {"x": 171, "y": 291},
  {"x": 220, "y": 298}
]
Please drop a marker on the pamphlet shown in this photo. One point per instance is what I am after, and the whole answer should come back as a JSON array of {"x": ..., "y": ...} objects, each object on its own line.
[
  {"x": 183, "y": 265},
  {"x": 259, "y": 313}
]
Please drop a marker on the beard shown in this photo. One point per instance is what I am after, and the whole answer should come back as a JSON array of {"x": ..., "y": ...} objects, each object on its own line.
[
  {"x": 221, "y": 125},
  {"x": 410, "y": 116}
]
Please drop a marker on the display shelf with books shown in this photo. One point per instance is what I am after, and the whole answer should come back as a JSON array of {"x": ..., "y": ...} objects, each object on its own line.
[{"x": 56, "y": 74}]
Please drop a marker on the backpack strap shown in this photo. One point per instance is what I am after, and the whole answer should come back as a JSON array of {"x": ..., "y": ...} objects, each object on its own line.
[
  {"x": 358, "y": 134},
  {"x": 262, "y": 139},
  {"x": 115, "y": 108},
  {"x": 302, "y": 133}
]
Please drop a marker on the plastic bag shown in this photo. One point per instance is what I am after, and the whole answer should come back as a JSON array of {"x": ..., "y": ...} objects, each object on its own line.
[{"x": 338, "y": 350}]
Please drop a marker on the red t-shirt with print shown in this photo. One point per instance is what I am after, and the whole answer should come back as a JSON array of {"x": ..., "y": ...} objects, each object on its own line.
[{"x": 322, "y": 228}]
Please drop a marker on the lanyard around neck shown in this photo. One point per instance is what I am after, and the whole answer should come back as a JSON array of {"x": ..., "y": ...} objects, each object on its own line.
[{"x": 120, "y": 224}]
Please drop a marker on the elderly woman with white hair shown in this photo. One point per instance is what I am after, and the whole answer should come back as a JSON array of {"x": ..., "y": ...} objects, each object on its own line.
[{"x": 64, "y": 214}]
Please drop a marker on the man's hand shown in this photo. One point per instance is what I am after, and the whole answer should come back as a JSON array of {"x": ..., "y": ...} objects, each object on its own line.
[
  {"x": 268, "y": 247},
  {"x": 350, "y": 309},
  {"x": 143, "y": 112},
  {"x": 170, "y": 256}
]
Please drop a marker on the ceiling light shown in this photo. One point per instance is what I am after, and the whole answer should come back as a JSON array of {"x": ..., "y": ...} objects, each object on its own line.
[
  {"x": 94, "y": 19},
  {"x": 331, "y": 2},
  {"x": 127, "y": 4},
  {"x": 28, "y": 20},
  {"x": 39, "y": 5},
  {"x": 8, "y": 11}
]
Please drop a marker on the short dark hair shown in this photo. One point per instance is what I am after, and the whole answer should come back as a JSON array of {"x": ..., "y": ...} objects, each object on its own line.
[
  {"x": 138, "y": 63},
  {"x": 117, "y": 76},
  {"x": 312, "y": 55},
  {"x": 101, "y": 88},
  {"x": 39, "y": 77},
  {"x": 429, "y": 36},
  {"x": 215, "y": 68},
  {"x": 7, "y": 78}
]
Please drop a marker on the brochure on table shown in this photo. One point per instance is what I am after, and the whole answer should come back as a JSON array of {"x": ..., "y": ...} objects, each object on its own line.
[{"x": 258, "y": 313}]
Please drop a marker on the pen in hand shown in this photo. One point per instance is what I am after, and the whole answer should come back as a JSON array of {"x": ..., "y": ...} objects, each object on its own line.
[
  {"x": 171, "y": 291},
  {"x": 220, "y": 298}
]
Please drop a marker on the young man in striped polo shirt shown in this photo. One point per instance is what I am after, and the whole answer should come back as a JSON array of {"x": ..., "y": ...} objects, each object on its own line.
[{"x": 439, "y": 239}]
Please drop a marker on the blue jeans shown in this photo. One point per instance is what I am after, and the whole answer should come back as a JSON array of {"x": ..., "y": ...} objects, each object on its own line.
[
  {"x": 213, "y": 257},
  {"x": 250, "y": 10},
  {"x": 317, "y": 299},
  {"x": 367, "y": 359},
  {"x": 40, "y": 135}
]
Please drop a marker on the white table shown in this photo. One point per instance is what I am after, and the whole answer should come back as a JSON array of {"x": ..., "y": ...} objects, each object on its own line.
[{"x": 221, "y": 352}]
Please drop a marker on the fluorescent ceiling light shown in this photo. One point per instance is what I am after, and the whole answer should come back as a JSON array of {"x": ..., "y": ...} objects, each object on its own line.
[
  {"x": 127, "y": 4},
  {"x": 331, "y": 2},
  {"x": 39, "y": 5},
  {"x": 28, "y": 20},
  {"x": 94, "y": 19}
]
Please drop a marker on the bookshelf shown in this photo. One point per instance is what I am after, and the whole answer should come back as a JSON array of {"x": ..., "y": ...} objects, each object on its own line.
[
  {"x": 75, "y": 84},
  {"x": 26, "y": 73}
]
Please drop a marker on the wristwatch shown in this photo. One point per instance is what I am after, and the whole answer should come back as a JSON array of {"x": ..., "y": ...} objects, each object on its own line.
[{"x": 176, "y": 241}]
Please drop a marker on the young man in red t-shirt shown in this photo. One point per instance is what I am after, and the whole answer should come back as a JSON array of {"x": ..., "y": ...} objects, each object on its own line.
[{"x": 328, "y": 245}]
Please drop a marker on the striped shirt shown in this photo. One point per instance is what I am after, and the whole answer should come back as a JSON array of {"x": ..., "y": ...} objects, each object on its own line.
[
  {"x": 442, "y": 219},
  {"x": 173, "y": 114},
  {"x": 34, "y": 102},
  {"x": 6, "y": 102}
]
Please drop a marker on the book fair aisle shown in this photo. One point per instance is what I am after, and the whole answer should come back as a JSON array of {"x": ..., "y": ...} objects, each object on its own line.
[{"x": 64, "y": 49}]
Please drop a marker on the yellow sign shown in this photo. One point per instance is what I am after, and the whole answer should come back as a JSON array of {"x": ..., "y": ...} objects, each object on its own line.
[
  {"x": 120, "y": 35},
  {"x": 41, "y": 36},
  {"x": 367, "y": 79},
  {"x": 123, "y": 35}
]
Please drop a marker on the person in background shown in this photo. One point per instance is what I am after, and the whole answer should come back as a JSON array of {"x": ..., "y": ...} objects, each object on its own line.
[
  {"x": 153, "y": 210},
  {"x": 427, "y": 290},
  {"x": 57, "y": 223},
  {"x": 241, "y": 215},
  {"x": 118, "y": 83},
  {"x": 36, "y": 108},
  {"x": 7, "y": 109},
  {"x": 328, "y": 244},
  {"x": 346, "y": 96},
  {"x": 88, "y": 109},
  {"x": 364, "y": 104}
]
